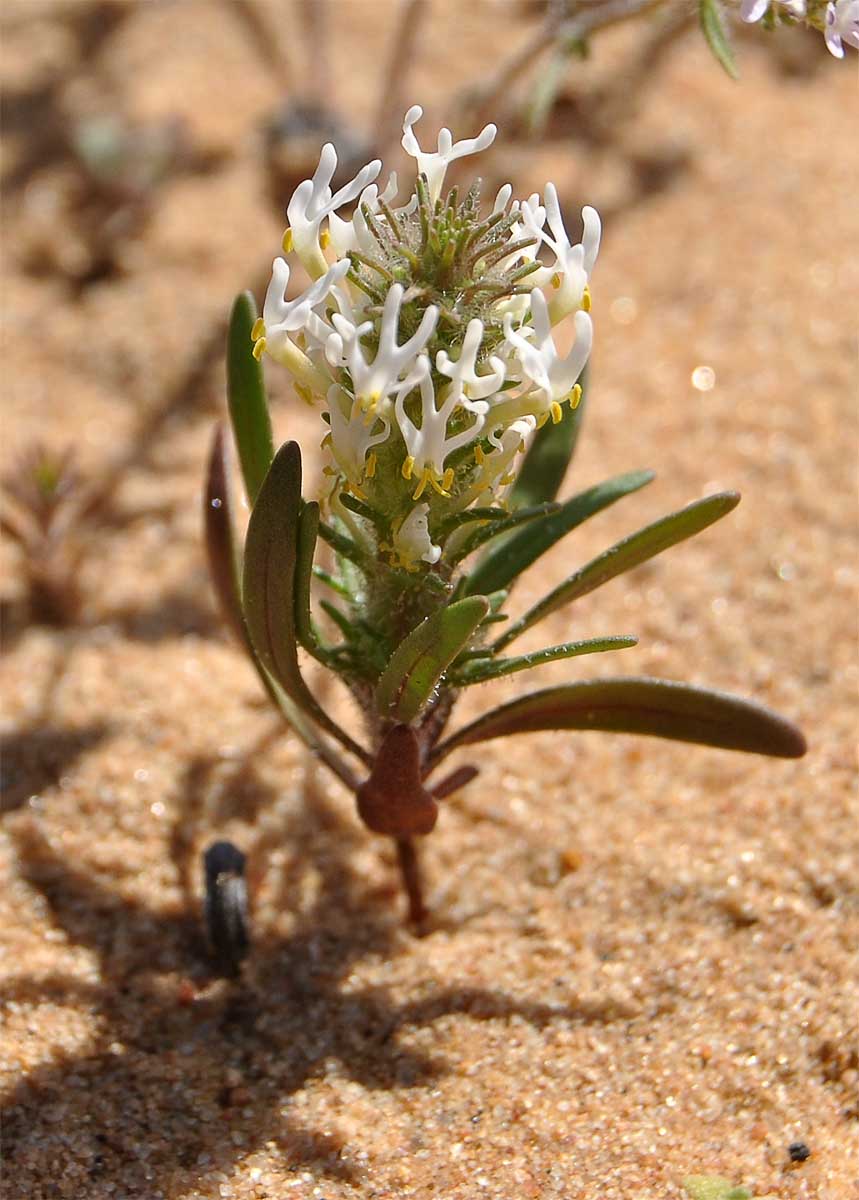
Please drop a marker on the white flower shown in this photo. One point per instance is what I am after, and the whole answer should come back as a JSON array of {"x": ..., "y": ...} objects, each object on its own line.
[
  {"x": 466, "y": 385},
  {"x": 412, "y": 541},
  {"x": 842, "y": 25},
  {"x": 752, "y": 10},
  {"x": 573, "y": 264},
  {"x": 312, "y": 202},
  {"x": 280, "y": 316},
  {"x": 374, "y": 381},
  {"x": 434, "y": 165},
  {"x": 354, "y": 234},
  {"x": 429, "y": 445},
  {"x": 553, "y": 377},
  {"x": 352, "y": 437},
  {"x": 495, "y": 466}
]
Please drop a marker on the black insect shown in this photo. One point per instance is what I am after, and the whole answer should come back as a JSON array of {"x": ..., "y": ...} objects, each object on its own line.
[
  {"x": 226, "y": 908},
  {"x": 798, "y": 1152}
]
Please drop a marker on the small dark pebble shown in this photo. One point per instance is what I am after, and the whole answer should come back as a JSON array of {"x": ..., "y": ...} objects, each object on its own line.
[
  {"x": 226, "y": 907},
  {"x": 798, "y": 1152}
]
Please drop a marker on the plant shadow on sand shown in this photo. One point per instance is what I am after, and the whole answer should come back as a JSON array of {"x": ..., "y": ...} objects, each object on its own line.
[{"x": 188, "y": 1074}]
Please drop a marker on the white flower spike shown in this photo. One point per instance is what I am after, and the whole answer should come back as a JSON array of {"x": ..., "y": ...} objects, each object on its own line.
[
  {"x": 427, "y": 335},
  {"x": 434, "y": 165}
]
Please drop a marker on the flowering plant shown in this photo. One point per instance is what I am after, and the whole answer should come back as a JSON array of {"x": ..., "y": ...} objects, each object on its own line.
[{"x": 426, "y": 338}]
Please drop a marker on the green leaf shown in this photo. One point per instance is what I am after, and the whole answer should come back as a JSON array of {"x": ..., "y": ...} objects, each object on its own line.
[
  {"x": 714, "y": 1187},
  {"x": 269, "y": 585},
  {"x": 713, "y": 26},
  {"x": 246, "y": 396},
  {"x": 221, "y": 546},
  {"x": 420, "y": 660},
  {"x": 222, "y": 551},
  {"x": 495, "y": 528},
  {"x": 480, "y": 670},
  {"x": 345, "y": 546},
  {"x": 308, "y": 526},
  {"x": 626, "y": 554},
  {"x": 647, "y": 706},
  {"x": 468, "y": 515},
  {"x": 548, "y": 457},
  {"x": 502, "y": 564},
  {"x": 336, "y": 585}
]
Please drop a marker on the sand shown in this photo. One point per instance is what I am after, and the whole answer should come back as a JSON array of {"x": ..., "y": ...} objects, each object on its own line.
[{"x": 642, "y": 959}]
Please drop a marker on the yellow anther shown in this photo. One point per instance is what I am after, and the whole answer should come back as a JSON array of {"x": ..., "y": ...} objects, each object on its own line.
[
  {"x": 408, "y": 467},
  {"x": 479, "y": 456},
  {"x": 326, "y": 441},
  {"x": 421, "y": 488},
  {"x": 258, "y": 330},
  {"x": 356, "y": 491},
  {"x": 557, "y": 413},
  {"x": 575, "y": 396},
  {"x": 542, "y": 419},
  {"x": 305, "y": 393},
  {"x": 447, "y": 479},
  {"x": 506, "y": 479},
  {"x": 259, "y": 348},
  {"x": 329, "y": 471},
  {"x": 370, "y": 470},
  {"x": 586, "y": 299},
  {"x": 287, "y": 241},
  {"x": 324, "y": 239},
  {"x": 556, "y": 280}
]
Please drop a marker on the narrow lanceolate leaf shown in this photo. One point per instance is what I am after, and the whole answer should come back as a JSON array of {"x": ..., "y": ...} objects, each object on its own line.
[
  {"x": 476, "y": 538},
  {"x": 466, "y": 517},
  {"x": 308, "y": 526},
  {"x": 269, "y": 584},
  {"x": 419, "y": 662},
  {"x": 648, "y": 706},
  {"x": 504, "y": 563},
  {"x": 224, "y": 566},
  {"x": 479, "y": 670},
  {"x": 247, "y": 397},
  {"x": 624, "y": 555},
  {"x": 548, "y": 457},
  {"x": 221, "y": 548},
  {"x": 711, "y": 16}
]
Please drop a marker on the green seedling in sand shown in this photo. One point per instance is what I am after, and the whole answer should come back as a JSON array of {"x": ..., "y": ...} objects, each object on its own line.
[
  {"x": 426, "y": 340},
  {"x": 45, "y": 516}
]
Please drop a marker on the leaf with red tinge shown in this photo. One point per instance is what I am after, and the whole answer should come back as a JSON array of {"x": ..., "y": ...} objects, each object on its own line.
[
  {"x": 648, "y": 706},
  {"x": 221, "y": 548},
  {"x": 308, "y": 528}
]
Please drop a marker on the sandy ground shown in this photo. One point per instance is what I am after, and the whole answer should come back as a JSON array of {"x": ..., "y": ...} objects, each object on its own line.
[{"x": 642, "y": 962}]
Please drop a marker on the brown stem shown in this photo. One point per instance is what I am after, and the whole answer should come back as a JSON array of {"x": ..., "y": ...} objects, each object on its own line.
[{"x": 411, "y": 873}]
